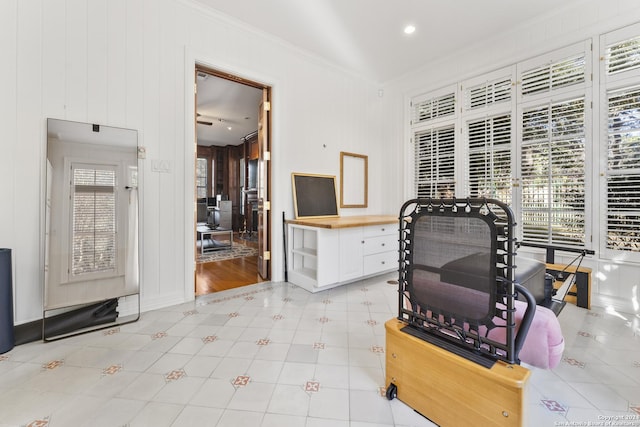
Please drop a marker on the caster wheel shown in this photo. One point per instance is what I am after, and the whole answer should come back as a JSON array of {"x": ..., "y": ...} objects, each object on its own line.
[{"x": 392, "y": 391}]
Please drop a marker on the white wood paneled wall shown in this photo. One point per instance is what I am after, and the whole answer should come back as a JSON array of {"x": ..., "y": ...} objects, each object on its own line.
[{"x": 125, "y": 63}]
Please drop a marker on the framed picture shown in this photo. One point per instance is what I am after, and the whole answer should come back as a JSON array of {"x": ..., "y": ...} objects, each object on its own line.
[{"x": 314, "y": 196}]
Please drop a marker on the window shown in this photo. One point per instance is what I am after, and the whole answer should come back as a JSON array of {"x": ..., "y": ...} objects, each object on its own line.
[
  {"x": 93, "y": 219},
  {"x": 489, "y": 158},
  {"x": 433, "y": 124},
  {"x": 554, "y": 139},
  {"x": 433, "y": 108},
  {"x": 434, "y": 162},
  {"x": 526, "y": 145},
  {"x": 488, "y": 135},
  {"x": 623, "y": 169},
  {"x": 554, "y": 75},
  {"x": 201, "y": 177},
  {"x": 553, "y": 173},
  {"x": 488, "y": 92},
  {"x": 620, "y": 112},
  {"x": 623, "y": 56},
  {"x": 539, "y": 132}
]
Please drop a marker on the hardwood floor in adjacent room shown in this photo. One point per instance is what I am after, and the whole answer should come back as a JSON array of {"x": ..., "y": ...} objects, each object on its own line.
[{"x": 220, "y": 275}]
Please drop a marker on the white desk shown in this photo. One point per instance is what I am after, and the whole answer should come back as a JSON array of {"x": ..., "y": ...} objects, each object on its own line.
[
  {"x": 327, "y": 252},
  {"x": 205, "y": 232}
]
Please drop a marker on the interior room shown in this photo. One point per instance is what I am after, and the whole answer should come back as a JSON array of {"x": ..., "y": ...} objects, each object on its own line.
[
  {"x": 226, "y": 182},
  {"x": 535, "y": 105}
]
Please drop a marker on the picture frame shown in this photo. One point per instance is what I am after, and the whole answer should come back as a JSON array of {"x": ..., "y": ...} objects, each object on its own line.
[
  {"x": 354, "y": 182},
  {"x": 314, "y": 195}
]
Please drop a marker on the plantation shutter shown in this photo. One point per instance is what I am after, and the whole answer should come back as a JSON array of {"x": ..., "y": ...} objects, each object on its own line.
[
  {"x": 488, "y": 93},
  {"x": 93, "y": 221},
  {"x": 623, "y": 56},
  {"x": 553, "y": 172},
  {"x": 554, "y": 110},
  {"x": 434, "y": 162},
  {"x": 553, "y": 76},
  {"x": 433, "y": 127},
  {"x": 489, "y": 158},
  {"x": 621, "y": 109},
  {"x": 623, "y": 169},
  {"x": 488, "y": 133},
  {"x": 434, "y": 108}
]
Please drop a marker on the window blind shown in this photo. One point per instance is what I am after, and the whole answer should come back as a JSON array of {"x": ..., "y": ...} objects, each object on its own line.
[
  {"x": 623, "y": 56},
  {"x": 553, "y": 173},
  {"x": 555, "y": 75},
  {"x": 201, "y": 177},
  {"x": 433, "y": 108},
  {"x": 525, "y": 144},
  {"x": 93, "y": 221},
  {"x": 620, "y": 121},
  {"x": 487, "y": 94},
  {"x": 434, "y": 162},
  {"x": 489, "y": 158},
  {"x": 623, "y": 169}
]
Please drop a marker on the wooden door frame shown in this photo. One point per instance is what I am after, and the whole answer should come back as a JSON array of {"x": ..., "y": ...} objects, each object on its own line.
[{"x": 267, "y": 223}]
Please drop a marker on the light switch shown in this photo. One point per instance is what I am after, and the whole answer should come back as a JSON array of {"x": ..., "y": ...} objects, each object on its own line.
[{"x": 161, "y": 166}]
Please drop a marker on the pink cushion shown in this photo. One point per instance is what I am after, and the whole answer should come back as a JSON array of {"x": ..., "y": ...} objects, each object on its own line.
[{"x": 544, "y": 343}]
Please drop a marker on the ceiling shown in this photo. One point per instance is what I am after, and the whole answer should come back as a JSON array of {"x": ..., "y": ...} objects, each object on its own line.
[
  {"x": 87, "y": 133},
  {"x": 364, "y": 37},
  {"x": 230, "y": 107}
]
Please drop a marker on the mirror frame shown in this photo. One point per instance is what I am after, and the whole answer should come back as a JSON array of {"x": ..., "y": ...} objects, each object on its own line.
[
  {"x": 354, "y": 174},
  {"x": 78, "y": 313}
]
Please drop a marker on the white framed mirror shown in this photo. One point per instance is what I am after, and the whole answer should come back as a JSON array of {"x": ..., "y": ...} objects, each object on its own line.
[{"x": 90, "y": 228}]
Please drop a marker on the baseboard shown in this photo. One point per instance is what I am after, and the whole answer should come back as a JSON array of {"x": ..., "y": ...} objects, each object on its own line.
[
  {"x": 622, "y": 305},
  {"x": 149, "y": 304}
]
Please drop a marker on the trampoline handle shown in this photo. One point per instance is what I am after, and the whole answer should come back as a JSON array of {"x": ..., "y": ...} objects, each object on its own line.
[{"x": 526, "y": 319}]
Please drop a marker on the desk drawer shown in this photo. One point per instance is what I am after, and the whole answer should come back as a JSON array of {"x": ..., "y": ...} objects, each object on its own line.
[
  {"x": 380, "y": 230},
  {"x": 374, "y": 245},
  {"x": 378, "y": 263}
]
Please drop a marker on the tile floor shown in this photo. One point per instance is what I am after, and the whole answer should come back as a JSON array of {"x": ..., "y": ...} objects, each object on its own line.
[{"x": 273, "y": 354}]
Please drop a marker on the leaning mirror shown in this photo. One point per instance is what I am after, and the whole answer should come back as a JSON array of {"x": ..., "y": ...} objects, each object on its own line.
[
  {"x": 353, "y": 180},
  {"x": 90, "y": 228}
]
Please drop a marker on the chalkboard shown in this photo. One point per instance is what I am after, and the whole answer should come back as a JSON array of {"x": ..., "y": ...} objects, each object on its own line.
[{"x": 314, "y": 195}]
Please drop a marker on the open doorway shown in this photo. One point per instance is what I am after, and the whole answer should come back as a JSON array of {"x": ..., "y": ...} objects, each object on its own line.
[{"x": 232, "y": 173}]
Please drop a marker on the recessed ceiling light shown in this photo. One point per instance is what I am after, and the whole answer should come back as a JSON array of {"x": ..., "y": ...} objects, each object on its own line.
[
  {"x": 409, "y": 29},
  {"x": 229, "y": 127}
]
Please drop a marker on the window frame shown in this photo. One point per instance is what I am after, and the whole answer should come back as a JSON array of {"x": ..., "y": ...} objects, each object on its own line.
[
  {"x": 440, "y": 122},
  {"x": 586, "y": 232},
  {"x": 629, "y": 78},
  {"x": 578, "y": 53},
  {"x": 490, "y": 153},
  {"x": 206, "y": 177},
  {"x": 120, "y": 222},
  {"x": 490, "y": 110},
  {"x": 553, "y": 96},
  {"x": 435, "y": 184}
]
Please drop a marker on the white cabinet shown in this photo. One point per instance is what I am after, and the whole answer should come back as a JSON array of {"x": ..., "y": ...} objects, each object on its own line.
[
  {"x": 303, "y": 255},
  {"x": 322, "y": 257},
  {"x": 351, "y": 250},
  {"x": 380, "y": 253}
]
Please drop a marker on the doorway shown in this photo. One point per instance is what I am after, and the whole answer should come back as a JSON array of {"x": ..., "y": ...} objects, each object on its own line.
[{"x": 232, "y": 181}]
